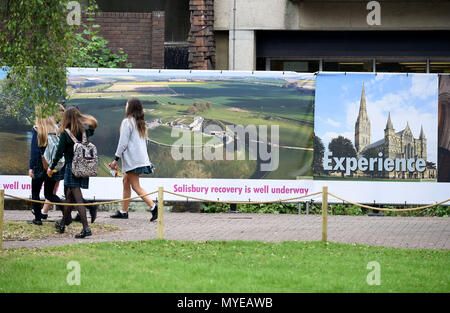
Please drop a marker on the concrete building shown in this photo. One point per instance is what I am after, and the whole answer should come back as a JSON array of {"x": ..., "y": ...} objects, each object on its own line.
[
  {"x": 285, "y": 35},
  {"x": 313, "y": 35}
]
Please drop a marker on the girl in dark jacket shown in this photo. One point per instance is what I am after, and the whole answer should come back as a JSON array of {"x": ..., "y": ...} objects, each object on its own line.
[
  {"x": 40, "y": 132},
  {"x": 76, "y": 123}
]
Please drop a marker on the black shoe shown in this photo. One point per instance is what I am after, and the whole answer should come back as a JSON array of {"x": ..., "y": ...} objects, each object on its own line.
[
  {"x": 35, "y": 222},
  {"x": 154, "y": 213},
  {"x": 93, "y": 211},
  {"x": 120, "y": 215},
  {"x": 44, "y": 216},
  {"x": 84, "y": 233},
  {"x": 59, "y": 225}
]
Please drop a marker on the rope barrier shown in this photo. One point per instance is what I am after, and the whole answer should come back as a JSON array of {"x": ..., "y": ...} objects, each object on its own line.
[
  {"x": 243, "y": 202},
  {"x": 384, "y": 209},
  {"x": 80, "y": 204},
  {"x": 161, "y": 192},
  {"x": 230, "y": 202}
]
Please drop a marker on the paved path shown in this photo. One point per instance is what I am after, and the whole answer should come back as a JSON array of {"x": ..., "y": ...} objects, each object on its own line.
[{"x": 399, "y": 232}]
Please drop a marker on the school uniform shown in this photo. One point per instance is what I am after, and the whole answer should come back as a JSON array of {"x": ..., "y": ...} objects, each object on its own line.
[
  {"x": 41, "y": 177},
  {"x": 65, "y": 148},
  {"x": 132, "y": 149}
]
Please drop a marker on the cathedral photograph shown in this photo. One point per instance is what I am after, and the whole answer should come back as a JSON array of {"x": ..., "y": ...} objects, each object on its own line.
[{"x": 376, "y": 127}]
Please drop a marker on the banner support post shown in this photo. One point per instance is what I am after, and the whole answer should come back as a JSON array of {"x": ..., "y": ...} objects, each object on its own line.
[
  {"x": 160, "y": 212},
  {"x": 324, "y": 213},
  {"x": 2, "y": 206}
]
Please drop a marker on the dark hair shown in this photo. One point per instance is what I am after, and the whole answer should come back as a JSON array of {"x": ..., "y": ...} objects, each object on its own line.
[
  {"x": 136, "y": 110},
  {"x": 74, "y": 121}
]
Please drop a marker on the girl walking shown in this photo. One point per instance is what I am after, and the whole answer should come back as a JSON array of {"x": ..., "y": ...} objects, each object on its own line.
[
  {"x": 46, "y": 207},
  {"x": 132, "y": 149},
  {"x": 76, "y": 123},
  {"x": 40, "y": 133}
]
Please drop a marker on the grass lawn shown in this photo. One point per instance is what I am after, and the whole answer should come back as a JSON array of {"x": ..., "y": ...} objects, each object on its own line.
[
  {"x": 18, "y": 230},
  {"x": 235, "y": 266}
]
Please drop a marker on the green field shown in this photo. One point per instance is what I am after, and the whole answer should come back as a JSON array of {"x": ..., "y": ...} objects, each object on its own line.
[
  {"x": 213, "y": 266},
  {"x": 162, "y": 134},
  {"x": 238, "y": 102},
  {"x": 166, "y": 166},
  {"x": 14, "y": 153}
]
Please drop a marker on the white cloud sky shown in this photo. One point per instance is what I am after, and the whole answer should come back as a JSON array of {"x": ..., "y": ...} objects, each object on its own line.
[
  {"x": 333, "y": 123},
  {"x": 410, "y": 99}
]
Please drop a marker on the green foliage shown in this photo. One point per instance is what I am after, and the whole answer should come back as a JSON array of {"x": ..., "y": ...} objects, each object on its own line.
[
  {"x": 13, "y": 117},
  {"x": 319, "y": 150},
  {"x": 199, "y": 106},
  {"x": 438, "y": 211},
  {"x": 273, "y": 208},
  {"x": 212, "y": 207},
  {"x": 36, "y": 43},
  {"x": 343, "y": 209},
  {"x": 341, "y": 147},
  {"x": 93, "y": 50},
  {"x": 316, "y": 208}
]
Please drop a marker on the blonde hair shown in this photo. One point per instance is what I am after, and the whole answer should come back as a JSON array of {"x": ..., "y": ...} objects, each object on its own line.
[{"x": 45, "y": 126}]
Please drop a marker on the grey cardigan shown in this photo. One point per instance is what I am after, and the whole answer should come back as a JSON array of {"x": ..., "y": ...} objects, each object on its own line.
[{"x": 132, "y": 148}]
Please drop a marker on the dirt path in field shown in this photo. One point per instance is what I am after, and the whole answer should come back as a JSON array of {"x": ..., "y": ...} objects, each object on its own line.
[{"x": 399, "y": 232}]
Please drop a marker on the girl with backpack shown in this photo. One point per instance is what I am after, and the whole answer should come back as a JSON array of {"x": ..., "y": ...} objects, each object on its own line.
[
  {"x": 43, "y": 128},
  {"x": 132, "y": 149},
  {"x": 75, "y": 122},
  {"x": 46, "y": 207}
]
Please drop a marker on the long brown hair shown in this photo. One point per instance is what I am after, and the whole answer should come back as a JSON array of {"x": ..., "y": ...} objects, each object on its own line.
[
  {"x": 74, "y": 121},
  {"x": 136, "y": 110}
]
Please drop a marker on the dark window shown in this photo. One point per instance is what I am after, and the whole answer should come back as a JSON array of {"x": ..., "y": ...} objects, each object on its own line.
[
  {"x": 402, "y": 66},
  {"x": 439, "y": 67},
  {"x": 348, "y": 66},
  {"x": 306, "y": 66}
]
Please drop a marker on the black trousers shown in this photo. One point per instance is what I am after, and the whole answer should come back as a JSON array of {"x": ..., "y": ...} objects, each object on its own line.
[{"x": 36, "y": 186}]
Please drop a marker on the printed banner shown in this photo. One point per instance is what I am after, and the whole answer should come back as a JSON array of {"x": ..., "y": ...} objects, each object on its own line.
[
  {"x": 376, "y": 127},
  {"x": 259, "y": 136},
  {"x": 444, "y": 129},
  {"x": 376, "y": 136},
  {"x": 214, "y": 126}
]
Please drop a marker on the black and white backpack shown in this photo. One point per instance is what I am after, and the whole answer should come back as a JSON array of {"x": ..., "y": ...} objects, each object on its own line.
[{"x": 85, "y": 159}]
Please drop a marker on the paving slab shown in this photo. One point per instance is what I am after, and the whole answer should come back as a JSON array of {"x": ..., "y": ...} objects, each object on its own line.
[{"x": 397, "y": 232}]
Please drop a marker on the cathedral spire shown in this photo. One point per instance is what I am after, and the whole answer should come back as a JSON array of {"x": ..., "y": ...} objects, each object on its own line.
[
  {"x": 362, "y": 125},
  {"x": 389, "y": 122},
  {"x": 362, "y": 103},
  {"x": 422, "y": 134}
]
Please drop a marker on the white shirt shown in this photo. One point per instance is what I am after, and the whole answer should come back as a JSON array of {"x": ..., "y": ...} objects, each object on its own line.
[{"x": 132, "y": 148}]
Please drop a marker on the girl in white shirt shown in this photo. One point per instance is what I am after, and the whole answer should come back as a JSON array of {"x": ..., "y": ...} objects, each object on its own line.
[{"x": 132, "y": 149}]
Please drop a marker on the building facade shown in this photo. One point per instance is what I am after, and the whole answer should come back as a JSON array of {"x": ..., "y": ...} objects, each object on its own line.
[
  {"x": 298, "y": 35},
  {"x": 317, "y": 35},
  {"x": 394, "y": 145}
]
